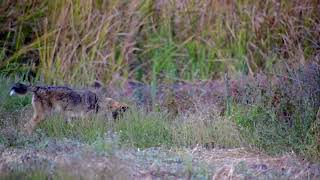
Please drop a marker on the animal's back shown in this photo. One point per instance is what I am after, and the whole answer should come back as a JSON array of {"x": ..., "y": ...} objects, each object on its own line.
[{"x": 73, "y": 102}]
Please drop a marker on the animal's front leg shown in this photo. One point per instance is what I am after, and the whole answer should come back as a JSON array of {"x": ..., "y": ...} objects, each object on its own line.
[
  {"x": 39, "y": 115},
  {"x": 29, "y": 126}
]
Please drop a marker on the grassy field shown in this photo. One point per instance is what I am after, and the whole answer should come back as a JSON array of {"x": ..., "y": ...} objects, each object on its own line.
[
  {"x": 236, "y": 74},
  {"x": 253, "y": 127}
]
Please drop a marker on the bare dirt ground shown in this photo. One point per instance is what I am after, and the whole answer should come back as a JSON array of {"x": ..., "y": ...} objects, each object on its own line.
[{"x": 72, "y": 159}]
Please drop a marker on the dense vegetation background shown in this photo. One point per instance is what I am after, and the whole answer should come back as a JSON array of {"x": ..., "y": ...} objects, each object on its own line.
[
  {"x": 76, "y": 41},
  {"x": 241, "y": 73}
]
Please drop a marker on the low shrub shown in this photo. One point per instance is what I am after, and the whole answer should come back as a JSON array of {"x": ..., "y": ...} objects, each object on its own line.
[
  {"x": 278, "y": 114},
  {"x": 206, "y": 127}
]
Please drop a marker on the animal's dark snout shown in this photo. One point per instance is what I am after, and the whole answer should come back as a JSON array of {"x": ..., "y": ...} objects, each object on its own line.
[{"x": 119, "y": 112}]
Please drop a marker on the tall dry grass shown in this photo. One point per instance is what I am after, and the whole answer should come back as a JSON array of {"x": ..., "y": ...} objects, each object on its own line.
[{"x": 79, "y": 40}]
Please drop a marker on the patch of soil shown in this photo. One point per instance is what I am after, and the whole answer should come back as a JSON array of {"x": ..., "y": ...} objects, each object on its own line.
[
  {"x": 80, "y": 160},
  {"x": 70, "y": 158},
  {"x": 241, "y": 163}
]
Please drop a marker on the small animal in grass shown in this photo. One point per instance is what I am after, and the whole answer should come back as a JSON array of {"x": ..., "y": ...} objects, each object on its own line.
[{"x": 68, "y": 102}]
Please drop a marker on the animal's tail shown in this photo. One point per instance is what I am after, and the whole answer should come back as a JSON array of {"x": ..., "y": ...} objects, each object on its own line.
[
  {"x": 21, "y": 89},
  {"x": 96, "y": 84}
]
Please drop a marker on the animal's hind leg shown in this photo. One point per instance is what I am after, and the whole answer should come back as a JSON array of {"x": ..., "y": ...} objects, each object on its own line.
[{"x": 39, "y": 114}]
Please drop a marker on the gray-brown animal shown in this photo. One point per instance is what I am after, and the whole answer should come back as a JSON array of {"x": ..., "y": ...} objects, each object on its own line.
[{"x": 69, "y": 102}]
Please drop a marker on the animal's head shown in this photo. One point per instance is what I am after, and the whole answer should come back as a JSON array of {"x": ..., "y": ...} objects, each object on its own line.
[{"x": 116, "y": 107}]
